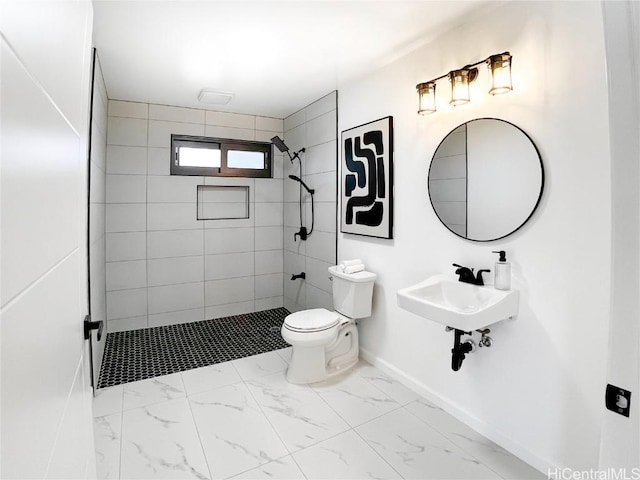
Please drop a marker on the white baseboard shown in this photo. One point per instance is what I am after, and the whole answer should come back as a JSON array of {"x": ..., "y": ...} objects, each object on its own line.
[{"x": 480, "y": 426}]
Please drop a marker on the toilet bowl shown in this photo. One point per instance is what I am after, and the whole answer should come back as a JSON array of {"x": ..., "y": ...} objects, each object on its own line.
[{"x": 325, "y": 342}]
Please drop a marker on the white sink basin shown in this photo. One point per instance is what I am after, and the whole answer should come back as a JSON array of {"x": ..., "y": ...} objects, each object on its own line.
[{"x": 467, "y": 307}]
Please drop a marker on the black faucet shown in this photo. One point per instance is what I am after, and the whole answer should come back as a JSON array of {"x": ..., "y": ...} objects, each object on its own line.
[{"x": 466, "y": 275}]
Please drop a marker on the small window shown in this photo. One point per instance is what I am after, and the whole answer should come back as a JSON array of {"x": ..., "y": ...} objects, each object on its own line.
[{"x": 218, "y": 157}]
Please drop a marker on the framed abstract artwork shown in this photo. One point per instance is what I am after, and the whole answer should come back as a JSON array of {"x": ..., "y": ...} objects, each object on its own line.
[{"x": 366, "y": 179}]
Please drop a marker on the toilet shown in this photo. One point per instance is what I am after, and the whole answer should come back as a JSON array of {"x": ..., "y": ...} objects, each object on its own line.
[{"x": 325, "y": 342}]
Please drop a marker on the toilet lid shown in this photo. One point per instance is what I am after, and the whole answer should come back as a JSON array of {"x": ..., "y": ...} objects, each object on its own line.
[{"x": 313, "y": 320}]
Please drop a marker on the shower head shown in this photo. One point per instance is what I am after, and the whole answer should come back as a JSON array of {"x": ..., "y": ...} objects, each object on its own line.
[
  {"x": 297, "y": 179},
  {"x": 278, "y": 142}
]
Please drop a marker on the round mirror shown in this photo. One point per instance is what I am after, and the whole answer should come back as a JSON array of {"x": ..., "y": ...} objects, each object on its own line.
[{"x": 485, "y": 180}]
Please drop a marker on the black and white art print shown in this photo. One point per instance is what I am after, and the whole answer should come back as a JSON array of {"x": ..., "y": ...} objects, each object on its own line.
[{"x": 366, "y": 180}]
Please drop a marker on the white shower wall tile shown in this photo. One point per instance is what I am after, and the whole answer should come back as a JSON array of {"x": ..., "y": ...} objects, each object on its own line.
[
  {"x": 173, "y": 216},
  {"x": 268, "y": 190},
  {"x": 125, "y": 217},
  {"x": 318, "y": 274},
  {"x": 231, "y": 240},
  {"x": 277, "y": 165},
  {"x": 322, "y": 246},
  {"x": 230, "y": 132},
  {"x": 160, "y": 132},
  {"x": 233, "y": 290},
  {"x": 317, "y": 298},
  {"x": 126, "y": 275},
  {"x": 174, "y": 243},
  {"x": 158, "y": 161},
  {"x": 126, "y": 160},
  {"x": 152, "y": 217},
  {"x": 321, "y": 158},
  {"x": 175, "y": 318},
  {"x": 291, "y": 217},
  {"x": 293, "y": 245},
  {"x": 127, "y": 131},
  {"x": 292, "y": 306},
  {"x": 176, "y": 114},
  {"x": 126, "y": 189},
  {"x": 266, "y": 135},
  {"x": 295, "y": 139},
  {"x": 270, "y": 261},
  {"x": 173, "y": 189},
  {"x": 170, "y": 298},
  {"x": 274, "y": 125},
  {"x": 227, "y": 119},
  {"x": 268, "y": 238},
  {"x": 295, "y": 291},
  {"x": 325, "y": 185},
  {"x": 125, "y": 324},
  {"x": 268, "y": 303},
  {"x": 174, "y": 270},
  {"x": 118, "y": 108},
  {"x": 326, "y": 104},
  {"x": 267, "y": 286},
  {"x": 126, "y": 246},
  {"x": 321, "y": 129},
  {"x": 269, "y": 214},
  {"x": 291, "y": 190},
  {"x": 228, "y": 265},
  {"x": 228, "y": 309},
  {"x": 127, "y": 303},
  {"x": 293, "y": 120},
  {"x": 325, "y": 216},
  {"x": 294, "y": 263}
]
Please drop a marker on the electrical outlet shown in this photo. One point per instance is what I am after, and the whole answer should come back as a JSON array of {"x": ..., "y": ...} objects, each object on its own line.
[{"x": 618, "y": 400}]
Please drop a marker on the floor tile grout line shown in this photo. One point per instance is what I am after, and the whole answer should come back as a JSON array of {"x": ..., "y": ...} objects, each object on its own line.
[
  {"x": 121, "y": 435},
  {"x": 272, "y": 427},
  {"x": 376, "y": 452},
  {"x": 195, "y": 424},
  {"x": 446, "y": 437}
]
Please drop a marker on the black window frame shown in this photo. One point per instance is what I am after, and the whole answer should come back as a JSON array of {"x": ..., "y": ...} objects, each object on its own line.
[{"x": 224, "y": 145}]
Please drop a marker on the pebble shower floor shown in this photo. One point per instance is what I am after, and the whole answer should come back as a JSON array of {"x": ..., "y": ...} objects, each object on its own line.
[{"x": 139, "y": 354}]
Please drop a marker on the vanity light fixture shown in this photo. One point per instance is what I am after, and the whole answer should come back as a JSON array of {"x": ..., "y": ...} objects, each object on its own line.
[{"x": 499, "y": 65}]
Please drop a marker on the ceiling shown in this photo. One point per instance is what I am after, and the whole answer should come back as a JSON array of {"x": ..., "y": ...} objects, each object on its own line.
[{"x": 275, "y": 56}]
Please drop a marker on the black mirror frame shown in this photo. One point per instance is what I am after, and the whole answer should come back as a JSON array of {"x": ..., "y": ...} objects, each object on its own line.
[{"x": 542, "y": 181}]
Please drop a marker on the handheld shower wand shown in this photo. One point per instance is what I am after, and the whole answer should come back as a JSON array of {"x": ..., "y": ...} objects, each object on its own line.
[{"x": 302, "y": 233}]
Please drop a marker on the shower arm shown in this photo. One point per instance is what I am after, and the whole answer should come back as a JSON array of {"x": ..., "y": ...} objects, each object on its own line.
[{"x": 295, "y": 155}]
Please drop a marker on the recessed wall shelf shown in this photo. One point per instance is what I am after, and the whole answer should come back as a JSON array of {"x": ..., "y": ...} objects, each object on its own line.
[{"x": 223, "y": 202}]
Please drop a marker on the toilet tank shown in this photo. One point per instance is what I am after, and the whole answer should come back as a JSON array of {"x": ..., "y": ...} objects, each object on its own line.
[{"x": 352, "y": 292}]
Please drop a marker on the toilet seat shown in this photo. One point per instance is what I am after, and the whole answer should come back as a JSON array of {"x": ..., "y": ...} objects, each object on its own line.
[{"x": 314, "y": 320}]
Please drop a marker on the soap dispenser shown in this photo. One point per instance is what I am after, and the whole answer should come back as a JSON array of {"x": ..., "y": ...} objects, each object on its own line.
[{"x": 502, "y": 271}]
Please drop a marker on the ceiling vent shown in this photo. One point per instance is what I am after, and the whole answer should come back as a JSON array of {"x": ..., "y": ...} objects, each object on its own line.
[{"x": 215, "y": 97}]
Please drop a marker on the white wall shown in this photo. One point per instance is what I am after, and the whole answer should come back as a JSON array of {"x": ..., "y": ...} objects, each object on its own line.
[
  {"x": 163, "y": 265},
  {"x": 621, "y": 435},
  {"x": 314, "y": 128},
  {"x": 539, "y": 390},
  {"x": 46, "y": 394}
]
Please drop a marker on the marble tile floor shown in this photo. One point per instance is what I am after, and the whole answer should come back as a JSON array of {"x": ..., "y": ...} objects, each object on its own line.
[{"x": 241, "y": 419}]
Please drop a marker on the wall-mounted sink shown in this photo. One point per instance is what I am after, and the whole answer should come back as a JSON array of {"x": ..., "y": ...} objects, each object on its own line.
[{"x": 463, "y": 306}]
